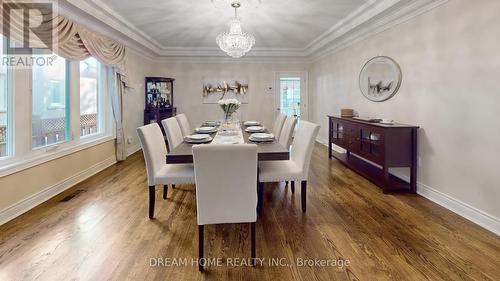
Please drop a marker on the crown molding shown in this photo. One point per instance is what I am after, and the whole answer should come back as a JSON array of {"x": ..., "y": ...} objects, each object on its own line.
[
  {"x": 389, "y": 19},
  {"x": 371, "y": 18}
]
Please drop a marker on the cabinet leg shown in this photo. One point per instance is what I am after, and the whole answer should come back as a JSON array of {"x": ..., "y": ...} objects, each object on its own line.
[{"x": 414, "y": 162}]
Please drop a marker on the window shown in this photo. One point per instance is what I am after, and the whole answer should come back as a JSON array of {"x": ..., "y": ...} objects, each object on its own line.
[
  {"x": 90, "y": 70},
  {"x": 50, "y": 103},
  {"x": 3, "y": 104},
  {"x": 290, "y": 96}
]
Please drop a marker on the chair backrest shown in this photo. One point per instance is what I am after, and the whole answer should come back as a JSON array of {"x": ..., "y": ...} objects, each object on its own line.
[
  {"x": 278, "y": 124},
  {"x": 173, "y": 132},
  {"x": 286, "y": 134},
  {"x": 184, "y": 124},
  {"x": 226, "y": 183},
  {"x": 154, "y": 149},
  {"x": 303, "y": 145}
]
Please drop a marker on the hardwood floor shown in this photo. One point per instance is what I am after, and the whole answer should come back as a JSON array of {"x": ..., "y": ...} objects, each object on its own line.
[{"x": 103, "y": 233}]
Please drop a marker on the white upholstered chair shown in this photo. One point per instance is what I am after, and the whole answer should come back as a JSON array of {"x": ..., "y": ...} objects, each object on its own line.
[
  {"x": 173, "y": 132},
  {"x": 286, "y": 134},
  {"x": 278, "y": 124},
  {"x": 184, "y": 124},
  {"x": 295, "y": 169},
  {"x": 154, "y": 149},
  {"x": 227, "y": 191}
]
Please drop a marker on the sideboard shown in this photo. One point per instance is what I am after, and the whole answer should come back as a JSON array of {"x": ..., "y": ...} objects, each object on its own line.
[{"x": 373, "y": 148}]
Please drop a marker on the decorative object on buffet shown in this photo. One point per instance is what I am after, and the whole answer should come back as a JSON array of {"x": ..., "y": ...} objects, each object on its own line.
[
  {"x": 235, "y": 43},
  {"x": 347, "y": 112},
  {"x": 159, "y": 99},
  {"x": 380, "y": 78},
  {"x": 217, "y": 89}
]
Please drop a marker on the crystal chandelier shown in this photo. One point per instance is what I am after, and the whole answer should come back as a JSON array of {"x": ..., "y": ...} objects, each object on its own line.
[{"x": 235, "y": 43}]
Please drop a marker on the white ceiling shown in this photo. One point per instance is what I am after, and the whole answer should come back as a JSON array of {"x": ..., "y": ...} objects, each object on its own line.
[
  {"x": 285, "y": 30},
  {"x": 275, "y": 23}
]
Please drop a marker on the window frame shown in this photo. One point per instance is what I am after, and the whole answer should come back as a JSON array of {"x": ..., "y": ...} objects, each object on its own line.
[
  {"x": 22, "y": 155},
  {"x": 9, "y": 108},
  {"x": 102, "y": 101},
  {"x": 67, "y": 109}
]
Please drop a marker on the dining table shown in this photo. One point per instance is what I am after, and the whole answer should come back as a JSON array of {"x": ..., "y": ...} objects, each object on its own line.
[{"x": 266, "y": 151}]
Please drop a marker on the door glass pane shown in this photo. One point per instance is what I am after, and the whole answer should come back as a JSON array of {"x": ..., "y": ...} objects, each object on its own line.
[
  {"x": 3, "y": 103},
  {"x": 89, "y": 97},
  {"x": 50, "y": 119},
  {"x": 290, "y": 96}
]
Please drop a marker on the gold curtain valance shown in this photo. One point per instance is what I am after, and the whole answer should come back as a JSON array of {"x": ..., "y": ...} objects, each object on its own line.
[{"x": 68, "y": 39}]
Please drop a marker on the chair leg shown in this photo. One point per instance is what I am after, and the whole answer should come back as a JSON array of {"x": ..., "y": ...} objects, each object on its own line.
[
  {"x": 260, "y": 197},
  {"x": 151, "y": 201},
  {"x": 200, "y": 247},
  {"x": 303, "y": 195},
  {"x": 252, "y": 242},
  {"x": 292, "y": 187},
  {"x": 165, "y": 191}
]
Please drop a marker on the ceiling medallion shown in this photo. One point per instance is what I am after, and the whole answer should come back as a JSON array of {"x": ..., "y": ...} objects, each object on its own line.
[
  {"x": 241, "y": 3},
  {"x": 235, "y": 43}
]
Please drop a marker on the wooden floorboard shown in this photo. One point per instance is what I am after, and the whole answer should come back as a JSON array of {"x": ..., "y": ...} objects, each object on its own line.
[{"x": 103, "y": 233}]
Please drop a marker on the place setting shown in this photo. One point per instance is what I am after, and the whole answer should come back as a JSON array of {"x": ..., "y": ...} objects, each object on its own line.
[
  {"x": 262, "y": 137},
  {"x": 211, "y": 123},
  {"x": 255, "y": 129},
  {"x": 251, "y": 123},
  {"x": 206, "y": 130},
  {"x": 198, "y": 138}
]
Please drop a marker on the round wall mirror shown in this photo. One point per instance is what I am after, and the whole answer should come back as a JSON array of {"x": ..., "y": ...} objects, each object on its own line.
[{"x": 380, "y": 79}]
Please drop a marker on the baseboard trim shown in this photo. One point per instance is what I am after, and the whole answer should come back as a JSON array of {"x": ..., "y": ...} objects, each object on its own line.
[
  {"x": 38, "y": 198},
  {"x": 458, "y": 207},
  {"x": 133, "y": 149}
]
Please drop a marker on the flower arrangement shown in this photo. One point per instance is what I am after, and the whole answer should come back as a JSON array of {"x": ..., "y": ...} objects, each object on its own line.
[{"x": 229, "y": 106}]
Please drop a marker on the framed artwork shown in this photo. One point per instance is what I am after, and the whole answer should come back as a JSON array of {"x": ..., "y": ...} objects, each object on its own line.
[
  {"x": 380, "y": 79},
  {"x": 215, "y": 89}
]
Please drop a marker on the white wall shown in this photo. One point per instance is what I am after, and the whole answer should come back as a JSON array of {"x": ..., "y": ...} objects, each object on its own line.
[
  {"x": 450, "y": 58},
  {"x": 188, "y": 87}
]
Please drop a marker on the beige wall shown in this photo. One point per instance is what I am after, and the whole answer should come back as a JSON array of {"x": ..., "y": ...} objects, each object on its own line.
[
  {"x": 188, "y": 87},
  {"x": 450, "y": 58},
  {"x": 26, "y": 183},
  {"x": 138, "y": 67}
]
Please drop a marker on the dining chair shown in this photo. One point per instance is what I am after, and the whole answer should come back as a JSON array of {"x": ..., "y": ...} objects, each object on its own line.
[
  {"x": 158, "y": 172},
  {"x": 295, "y": 169},
  {"x": 184, "y": 124},
  {"x": 278, "y": 124},
  {"x": 225, "y": 192},
  {"x": 173, "y": 132},
  {"x": 286, "y": 134}
]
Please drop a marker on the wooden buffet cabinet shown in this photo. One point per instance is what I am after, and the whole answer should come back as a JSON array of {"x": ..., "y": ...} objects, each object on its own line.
[{"x": 373, "y": 148}]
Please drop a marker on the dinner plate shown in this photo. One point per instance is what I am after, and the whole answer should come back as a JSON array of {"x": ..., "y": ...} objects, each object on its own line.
[
  {"x": 261, "y": 140},
  {"x": 205, "y": 140},
  {"x": 262, "y": 136},
  {"x": 255, "y": 129},
  {"x": 251, "y": 123},
  {"x": 210, "y": 123},
  {"x": 206, "y": 129},
  {"x": 198, "y": 137}
]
